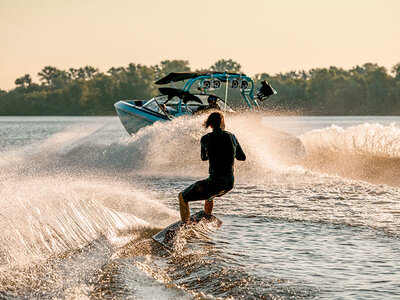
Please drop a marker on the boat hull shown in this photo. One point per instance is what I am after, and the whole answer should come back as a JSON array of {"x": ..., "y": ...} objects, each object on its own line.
[{"x": 135, "y": 117}]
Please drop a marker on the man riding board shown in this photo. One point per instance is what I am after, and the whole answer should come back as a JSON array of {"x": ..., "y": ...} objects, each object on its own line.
[{"x": 220, "y": 148}]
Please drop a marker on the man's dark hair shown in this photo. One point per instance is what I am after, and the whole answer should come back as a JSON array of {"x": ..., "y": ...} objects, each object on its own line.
[{"x": 215, "y": 120}]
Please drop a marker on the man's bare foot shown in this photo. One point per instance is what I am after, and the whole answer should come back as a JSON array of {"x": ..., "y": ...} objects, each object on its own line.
[{"x": 184, "y": 209}]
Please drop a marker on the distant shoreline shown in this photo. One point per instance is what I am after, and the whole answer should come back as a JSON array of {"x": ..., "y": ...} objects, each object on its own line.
[{"x": 363, "y": 90}]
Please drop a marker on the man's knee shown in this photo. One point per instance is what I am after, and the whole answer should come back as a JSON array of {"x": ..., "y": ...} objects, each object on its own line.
[{"x": 181, "y": 198}]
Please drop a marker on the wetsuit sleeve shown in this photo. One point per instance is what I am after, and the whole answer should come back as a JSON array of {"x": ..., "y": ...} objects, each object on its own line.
[
  {"x": 239, "y": 151},
  {"x": 204, "y": 148}
]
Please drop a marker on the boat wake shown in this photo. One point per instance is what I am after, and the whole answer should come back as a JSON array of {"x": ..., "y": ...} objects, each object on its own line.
[
  {"x": 369, "y": 152},
  {"x": 46, "y": 210}
]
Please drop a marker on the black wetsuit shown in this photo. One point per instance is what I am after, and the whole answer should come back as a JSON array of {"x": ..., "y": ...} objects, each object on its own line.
[{"x": 221, "y": 148}]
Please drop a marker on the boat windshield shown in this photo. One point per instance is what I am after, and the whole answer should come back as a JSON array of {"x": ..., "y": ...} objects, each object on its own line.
[
  {"x": 161, "y": 104},
  {"x": 162, "y": 99}
]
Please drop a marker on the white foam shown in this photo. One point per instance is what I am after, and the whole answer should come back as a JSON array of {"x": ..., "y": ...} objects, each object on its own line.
[
  {"x": 44, "y": 216},
  {"x": 366, "y": 139}
]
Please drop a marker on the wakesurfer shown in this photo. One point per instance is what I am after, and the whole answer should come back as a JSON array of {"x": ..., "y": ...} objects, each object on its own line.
[{"x": 220, "y": 148}]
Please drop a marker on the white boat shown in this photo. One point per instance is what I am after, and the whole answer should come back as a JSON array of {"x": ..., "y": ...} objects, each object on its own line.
[{"x": 174, "y": 102}]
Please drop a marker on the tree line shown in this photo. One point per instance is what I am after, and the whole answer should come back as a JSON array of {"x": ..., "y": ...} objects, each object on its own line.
[{"x": 363, "y": 90}]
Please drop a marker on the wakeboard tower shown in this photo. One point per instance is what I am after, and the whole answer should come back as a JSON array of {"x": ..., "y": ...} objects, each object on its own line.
[{"x": 166, "y": 237}]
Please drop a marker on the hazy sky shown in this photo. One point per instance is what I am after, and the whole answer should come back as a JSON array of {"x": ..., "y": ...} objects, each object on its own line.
[{"x": 263, "y": 36}]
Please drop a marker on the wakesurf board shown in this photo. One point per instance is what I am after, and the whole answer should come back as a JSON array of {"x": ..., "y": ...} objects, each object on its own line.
[{"x": 166, "y": 236}]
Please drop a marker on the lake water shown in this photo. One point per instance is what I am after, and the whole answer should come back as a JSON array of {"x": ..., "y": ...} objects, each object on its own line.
[{"x": 80, "y": 200}]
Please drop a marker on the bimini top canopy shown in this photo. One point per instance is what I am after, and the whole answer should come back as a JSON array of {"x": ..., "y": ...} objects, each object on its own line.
[
  {"x": 179, "y": 76},
  {"x": 185, "y": 96},
  {"x": 209, "y": 81}
]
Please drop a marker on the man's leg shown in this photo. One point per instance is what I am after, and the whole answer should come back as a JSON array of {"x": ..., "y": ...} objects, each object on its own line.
[
  {"x": 208, "y": 206},
  {"x": 184, "y": 209}
]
